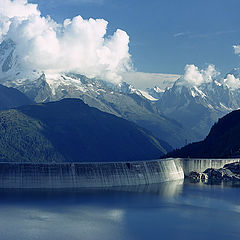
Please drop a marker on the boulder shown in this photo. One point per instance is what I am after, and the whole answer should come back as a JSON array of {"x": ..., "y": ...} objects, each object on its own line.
[
  {"x": 230, "y": 172},
  {"x": 198, "y": 176},
  {"x": 233, "y": 167}
]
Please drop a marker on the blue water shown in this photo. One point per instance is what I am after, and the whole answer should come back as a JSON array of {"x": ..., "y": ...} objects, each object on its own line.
[{"x": 167, "y": 211}]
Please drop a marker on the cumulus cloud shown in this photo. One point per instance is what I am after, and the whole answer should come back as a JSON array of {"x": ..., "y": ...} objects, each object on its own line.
[
  {"x": 236, "y": 49},
  {"x": 76, "y": 45},
  {"x": 14, "y": 9},
  {"x": 232, "y": 82},
  {"x": 195, "y": 77}
]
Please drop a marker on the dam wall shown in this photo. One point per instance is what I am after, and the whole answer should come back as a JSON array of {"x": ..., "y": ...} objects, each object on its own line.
[
  {"x": 200, "y": 165},
  {"x": 76, "y": 175},
  {"x": 94, "y": 175}
]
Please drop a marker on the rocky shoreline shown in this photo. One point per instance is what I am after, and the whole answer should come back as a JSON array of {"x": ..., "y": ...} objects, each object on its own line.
[{"x": 229, "y": 172}]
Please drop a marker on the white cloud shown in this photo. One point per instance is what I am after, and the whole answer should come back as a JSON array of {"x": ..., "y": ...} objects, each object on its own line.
[
  {"x": 236, "y": 49},
  {"x": 77, "y": 45},
  {"x": 14, "y": 9},
  {"x": 232, "y": 82},
  {"x": 195, "y": 77},
  {"x": 17, "y": 8}
]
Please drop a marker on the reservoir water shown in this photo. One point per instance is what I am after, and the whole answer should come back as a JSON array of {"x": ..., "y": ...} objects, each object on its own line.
[{"x": 176, "y": 210}]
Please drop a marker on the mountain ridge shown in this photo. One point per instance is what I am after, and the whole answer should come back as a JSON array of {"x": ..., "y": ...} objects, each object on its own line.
[
  {"x": 71, "y": 131},
  {"x": 221, "y": 142},
  {"x": 122, "y": 99},
  {"x": 181, "y": 113},
  {"x": 197, "y": 107}
]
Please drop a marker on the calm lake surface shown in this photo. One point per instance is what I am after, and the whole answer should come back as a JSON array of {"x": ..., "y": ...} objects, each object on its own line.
[{"x": 174, "y": 210}]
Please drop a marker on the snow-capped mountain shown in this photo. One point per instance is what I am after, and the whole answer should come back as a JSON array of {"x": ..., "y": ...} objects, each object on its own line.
[
  {"x": 119, "y": 99},
  {"x": 13, "y": 74},
  {"x": 180, "y": 113},
  {"x": 198, "y": 107},
  {"x": 235, "y": 72},
  {"x": 155, "y": 92}
]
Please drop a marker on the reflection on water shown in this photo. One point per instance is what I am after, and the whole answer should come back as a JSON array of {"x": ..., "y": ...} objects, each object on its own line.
[
  {"x": 168, "y": 189},
  {"x": 173, "y": 210}
]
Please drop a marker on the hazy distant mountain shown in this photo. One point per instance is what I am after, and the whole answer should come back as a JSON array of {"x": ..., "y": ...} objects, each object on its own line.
[
  {"x": 222, "y": 141},
  {"x": 197, "y": 108},
  {"x": 71, "y": 131},
  {"x": 143, "y": 80},
  {"x": 119, "y": 99}
]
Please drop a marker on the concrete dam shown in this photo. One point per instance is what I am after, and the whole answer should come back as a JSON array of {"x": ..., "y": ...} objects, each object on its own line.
[{"x": 94, "y": 175}]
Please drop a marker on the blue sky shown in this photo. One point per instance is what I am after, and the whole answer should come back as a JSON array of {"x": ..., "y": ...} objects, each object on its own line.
[{"x": 165, "y": 35}]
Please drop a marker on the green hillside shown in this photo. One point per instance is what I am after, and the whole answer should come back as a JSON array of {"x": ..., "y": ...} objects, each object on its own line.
[
  {"x": 223, "y": 140},
  {"x": 71, "y": 131}
]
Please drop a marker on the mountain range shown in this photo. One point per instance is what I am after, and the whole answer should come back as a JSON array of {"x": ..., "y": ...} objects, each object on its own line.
[
  {"x": 122, "y": 99},
  {"x": 177, "y": 115},
  {"x": 71, "y": 131},
  {"x": 198, "y": 107}
]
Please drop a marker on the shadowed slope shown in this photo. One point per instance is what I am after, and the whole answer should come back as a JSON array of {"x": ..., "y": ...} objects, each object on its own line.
[
  {"x": 11, "y": 97},
  {"x": 71, "y": 131},
  {"x": 223, "y": 141}
]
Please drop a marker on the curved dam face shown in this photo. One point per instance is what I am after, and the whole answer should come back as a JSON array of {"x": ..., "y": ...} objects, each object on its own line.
[
  {"x": 95, "y": 175},
  {"x": 76, "y": 175}
]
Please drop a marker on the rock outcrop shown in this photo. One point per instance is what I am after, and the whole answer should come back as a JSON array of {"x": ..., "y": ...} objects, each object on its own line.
[{"x": 230, "y": 172}]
